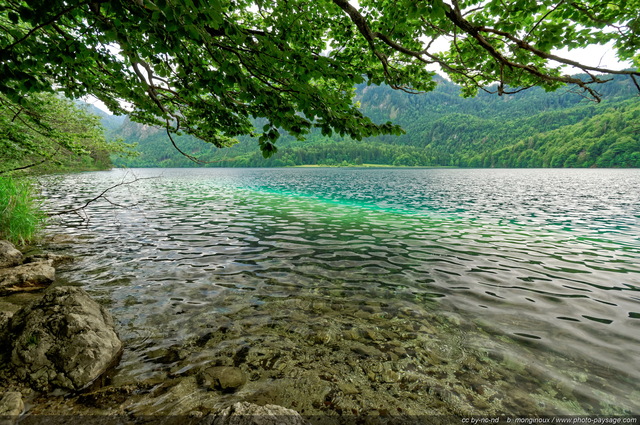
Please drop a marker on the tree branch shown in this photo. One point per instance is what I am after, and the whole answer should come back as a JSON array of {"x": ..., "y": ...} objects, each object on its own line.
[
  {"x": 44, "y": 24},
  {"x": 24, "y": 167},
  {"x": 526, "y": 46},
  {"x": 101, "y": 195},
  {"x": 173, "y": 142},
  {"x": 542, "y": 19},
  {"x": 363, "y": 27},
  {"x": 455, "y": 15}
]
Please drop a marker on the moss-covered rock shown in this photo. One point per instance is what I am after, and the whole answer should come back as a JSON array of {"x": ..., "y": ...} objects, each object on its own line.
[{"x": 64, "y": 340}]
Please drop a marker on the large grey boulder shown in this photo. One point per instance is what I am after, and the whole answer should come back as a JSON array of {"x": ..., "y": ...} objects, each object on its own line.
[
  {"x": 9, "y": 255},
  {"x": 244, "y": 413},
  {"x": 64, "y": 340},
  {"x": 27, "y": 277}
]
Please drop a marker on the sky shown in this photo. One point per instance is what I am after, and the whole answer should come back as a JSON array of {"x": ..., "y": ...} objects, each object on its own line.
[{"x": 595, "y": 56}]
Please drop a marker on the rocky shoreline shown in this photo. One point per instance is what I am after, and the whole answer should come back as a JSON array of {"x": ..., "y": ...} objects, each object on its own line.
[
  {"x": 62, "y": 342},
  {"x": 314, "y": 358}
]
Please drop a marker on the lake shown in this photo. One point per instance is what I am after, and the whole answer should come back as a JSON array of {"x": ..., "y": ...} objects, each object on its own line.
[{"x": 346, "y": 291}]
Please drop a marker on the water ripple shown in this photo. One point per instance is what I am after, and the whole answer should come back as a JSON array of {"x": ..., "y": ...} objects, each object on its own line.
[{"x": 548, "y": 259}]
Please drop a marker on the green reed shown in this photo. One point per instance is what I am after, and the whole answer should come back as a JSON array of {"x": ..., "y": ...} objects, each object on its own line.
[{"x": 21, "y": 217}]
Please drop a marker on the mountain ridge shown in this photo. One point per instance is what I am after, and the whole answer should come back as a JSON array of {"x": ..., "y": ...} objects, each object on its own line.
[{"x": 442, "y": 129}]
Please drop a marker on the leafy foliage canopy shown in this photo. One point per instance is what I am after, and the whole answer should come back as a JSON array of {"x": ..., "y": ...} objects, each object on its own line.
[{"x": 207, "y": 67}]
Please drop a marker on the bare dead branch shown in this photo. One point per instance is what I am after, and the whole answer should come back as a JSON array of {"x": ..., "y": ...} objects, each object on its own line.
[{"x": 102, "y": 195}]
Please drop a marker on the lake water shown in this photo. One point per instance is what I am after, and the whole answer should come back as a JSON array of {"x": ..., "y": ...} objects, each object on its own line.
[{"x": 342, "y": 291}]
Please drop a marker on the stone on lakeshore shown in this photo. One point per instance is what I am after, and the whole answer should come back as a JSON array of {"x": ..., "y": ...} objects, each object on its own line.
[
  {"x": 64, "y": 340},
  {"x": 27, "y": 277},
  {"x": 225, "y": 378},
  {"x": 57, "y": 259},
  {"x": 11, "y": 406},
  {"x": 9, "y": 255},
  {"x": 244, "y": 413}
]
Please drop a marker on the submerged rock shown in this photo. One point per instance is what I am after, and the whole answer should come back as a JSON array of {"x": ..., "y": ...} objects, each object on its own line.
[
  {"x": 244, "y": 413},
  {"x": 224, "y": 378},
  {"x": 11, "y": 406},
  {"x": 64, "y": 340},
  {"x": 9, "y": 255},
  {"x": 27, "y": 277}
]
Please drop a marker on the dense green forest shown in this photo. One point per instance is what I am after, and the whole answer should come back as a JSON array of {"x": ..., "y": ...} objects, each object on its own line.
[{"x": 530, "y": 129}]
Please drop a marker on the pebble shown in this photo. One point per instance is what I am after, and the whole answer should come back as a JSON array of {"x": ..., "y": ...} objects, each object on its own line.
[{"x": 225, "y": 378}]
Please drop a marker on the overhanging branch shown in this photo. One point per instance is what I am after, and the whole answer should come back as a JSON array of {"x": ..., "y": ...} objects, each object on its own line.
[{"x": 454, "y": 14}]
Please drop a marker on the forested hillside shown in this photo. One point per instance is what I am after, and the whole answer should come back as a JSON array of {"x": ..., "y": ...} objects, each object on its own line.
[
  {"x": 45, "y": 132},
  {"x": 529, "y": 129}
]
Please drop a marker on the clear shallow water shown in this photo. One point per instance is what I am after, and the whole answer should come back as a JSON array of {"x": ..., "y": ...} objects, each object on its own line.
[{"x": 396, "y": 291}]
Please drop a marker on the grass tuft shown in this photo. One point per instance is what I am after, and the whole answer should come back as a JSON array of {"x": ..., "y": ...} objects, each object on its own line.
[{"x": 21, "y": 217}]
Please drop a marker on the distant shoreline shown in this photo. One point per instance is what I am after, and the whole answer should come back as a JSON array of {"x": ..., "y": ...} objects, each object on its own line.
[{"x": 367, "y": 166}]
